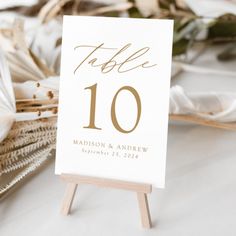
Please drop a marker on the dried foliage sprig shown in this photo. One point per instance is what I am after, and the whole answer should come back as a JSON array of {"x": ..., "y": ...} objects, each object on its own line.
[
  {"x": 40, "y": 158},
  {"x": 26, "y": 149},
  {"x": 188, "y": 26},
  {"x": 27, "y": 146},
  {"x": 21, "y": 128},
  {"x": 13, "y": 143}
]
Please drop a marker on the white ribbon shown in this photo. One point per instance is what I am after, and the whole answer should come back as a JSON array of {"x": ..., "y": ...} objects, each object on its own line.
[{"x": 212, "y": 106}]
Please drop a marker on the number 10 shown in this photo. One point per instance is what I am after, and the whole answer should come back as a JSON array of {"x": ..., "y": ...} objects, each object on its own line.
[{"x": 114, "y": 120}]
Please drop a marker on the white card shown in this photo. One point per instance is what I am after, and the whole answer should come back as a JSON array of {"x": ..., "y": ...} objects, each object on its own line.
[{"x": 114, "y": 98}]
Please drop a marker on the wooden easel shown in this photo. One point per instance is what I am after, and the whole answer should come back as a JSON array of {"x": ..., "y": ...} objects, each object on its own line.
[{"x": 142, "y": 190}]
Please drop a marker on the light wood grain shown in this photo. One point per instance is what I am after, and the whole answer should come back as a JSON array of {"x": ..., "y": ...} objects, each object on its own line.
[
  {"x": 144, "y": 210},
  {"x": 107, "y": 183},
  {"x": 140, "y": 188},
  {"x": 68, "y": 199}
]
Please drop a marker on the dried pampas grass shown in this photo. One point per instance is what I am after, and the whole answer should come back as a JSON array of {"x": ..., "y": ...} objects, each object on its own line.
[{"x": 27, "y": 146}]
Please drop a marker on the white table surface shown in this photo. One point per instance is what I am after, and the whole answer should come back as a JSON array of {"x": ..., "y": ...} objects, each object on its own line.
[{"x": 199, "y": 198}]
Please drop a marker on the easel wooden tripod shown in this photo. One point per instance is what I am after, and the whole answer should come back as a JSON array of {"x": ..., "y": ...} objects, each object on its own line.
[{"x": 142, "y": 190}]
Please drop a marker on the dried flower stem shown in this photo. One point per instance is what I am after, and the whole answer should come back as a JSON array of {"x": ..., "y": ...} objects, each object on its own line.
[
  {"x": 204, "y": 122},
  {"x": 121, "y": 7}
]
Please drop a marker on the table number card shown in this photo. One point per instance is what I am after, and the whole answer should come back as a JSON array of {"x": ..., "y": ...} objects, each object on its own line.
[{"x": 114, "y": 98}]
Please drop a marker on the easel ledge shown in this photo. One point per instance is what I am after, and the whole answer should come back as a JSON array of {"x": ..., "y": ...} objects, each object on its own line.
[{"x": 141, "y": 189}]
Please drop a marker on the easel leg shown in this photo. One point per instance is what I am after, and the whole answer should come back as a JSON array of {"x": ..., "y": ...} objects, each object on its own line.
[
  {"x": 144, "y": 210},
  {"x": 68, "y": 199}
]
